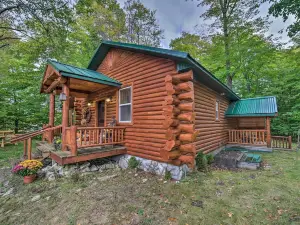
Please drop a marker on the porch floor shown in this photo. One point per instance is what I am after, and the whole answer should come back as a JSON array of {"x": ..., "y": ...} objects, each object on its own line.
[{"x": 85, "y": 154}]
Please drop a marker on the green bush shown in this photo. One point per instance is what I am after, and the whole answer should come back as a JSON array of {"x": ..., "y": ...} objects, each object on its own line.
[
  {"x": 133, "y": 163},
  {"x": 201, "y": 162},
  {"x": 168, "y": 175},
  {"x": 210, "y": 159}
]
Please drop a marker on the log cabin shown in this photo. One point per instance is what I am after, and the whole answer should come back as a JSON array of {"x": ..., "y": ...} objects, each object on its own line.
[{"x": 153, "y": 103}]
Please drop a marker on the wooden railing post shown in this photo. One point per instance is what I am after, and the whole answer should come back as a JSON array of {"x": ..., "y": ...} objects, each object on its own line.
[
  {"x": 25, "y": 149},
  {"x": 29, "y": 148},
  {"x": 73, "y": 140},
  {"x": 268, "y": 127},
  {"x": 290, "y": 142}
]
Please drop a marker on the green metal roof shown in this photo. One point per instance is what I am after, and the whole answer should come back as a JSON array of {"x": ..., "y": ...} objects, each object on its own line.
[
  {"x": 201, "y": 74},
  {"x": 83, "y": 74},
  {"x": 253, "y": 107}
]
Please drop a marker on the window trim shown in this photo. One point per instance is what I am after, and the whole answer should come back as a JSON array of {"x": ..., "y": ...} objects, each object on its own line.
[
  {"x": 119, "y": 107},
  {"x": 217, "y": 110}
]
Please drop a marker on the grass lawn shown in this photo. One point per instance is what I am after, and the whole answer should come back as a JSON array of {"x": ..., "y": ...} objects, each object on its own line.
[{"x": 129, "y": 197}]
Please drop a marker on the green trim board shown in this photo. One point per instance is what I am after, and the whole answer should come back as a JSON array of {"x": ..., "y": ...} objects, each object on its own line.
[
  {"x": 253, "y": 107},
  {"x": 83, "y": 74},
  {"x": 201, "y": 74}
]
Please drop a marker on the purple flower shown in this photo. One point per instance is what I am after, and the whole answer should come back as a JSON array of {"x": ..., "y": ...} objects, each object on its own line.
[{"x": 17, "y": 168}]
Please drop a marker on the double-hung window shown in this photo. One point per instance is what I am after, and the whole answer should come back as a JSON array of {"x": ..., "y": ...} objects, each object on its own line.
[
  {"x": 125, "y": 105},
  {"x": 217, "y": 110}
]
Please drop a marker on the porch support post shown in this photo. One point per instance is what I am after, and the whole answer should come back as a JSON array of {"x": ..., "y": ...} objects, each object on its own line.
[
  {"x": 51, "y": 116},
  {"x": 268, "y": 127},
  {"x": 65, "y": 114},
  {"x": 73, "y": 136}
]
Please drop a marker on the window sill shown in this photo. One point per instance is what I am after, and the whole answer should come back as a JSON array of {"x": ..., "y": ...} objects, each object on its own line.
[{"x": 124, "y": 123}]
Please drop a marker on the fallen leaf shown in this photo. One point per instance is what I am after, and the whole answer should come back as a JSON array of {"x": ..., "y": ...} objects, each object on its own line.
[
  {"x": 279, "y": 211},
  {"x": 230, "y": 214},
  {"x": 172, "y": 219}
]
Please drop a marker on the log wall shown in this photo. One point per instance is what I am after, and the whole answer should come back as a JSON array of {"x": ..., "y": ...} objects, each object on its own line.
[
  {"x": 252, "y": 123},
  {"x": 146, "y": 135},
  {"x": 212, "y": 133}
]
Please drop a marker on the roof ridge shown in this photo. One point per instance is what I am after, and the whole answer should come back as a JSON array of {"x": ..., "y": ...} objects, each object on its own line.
[
  {"x": 242, "y": 99},
  {"x": 51, "y": 60},
  {"x": 139, "y": 45}
]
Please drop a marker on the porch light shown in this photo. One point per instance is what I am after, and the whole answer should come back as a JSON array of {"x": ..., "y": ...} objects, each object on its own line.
[
  {"x": 89, "y": 104},
  {"x": 108, "y": 99},
  {"x": 62, "y": 97}
]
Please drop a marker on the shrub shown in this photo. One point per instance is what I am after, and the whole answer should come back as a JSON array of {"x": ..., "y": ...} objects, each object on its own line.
[
  {"x": 168, "y": 175},
  {"x": 201, "y": 162},
  {"x": 133, "y": 163},
  {"x": 210, "y": 159}
]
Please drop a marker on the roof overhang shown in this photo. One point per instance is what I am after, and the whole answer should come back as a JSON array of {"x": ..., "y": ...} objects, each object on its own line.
[
  {"x": 80, "y": 79},
  {"x": 253, "y": 107}
]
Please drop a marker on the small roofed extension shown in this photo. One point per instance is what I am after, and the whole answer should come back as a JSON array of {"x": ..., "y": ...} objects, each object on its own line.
[{"x": 168, "y": 104}]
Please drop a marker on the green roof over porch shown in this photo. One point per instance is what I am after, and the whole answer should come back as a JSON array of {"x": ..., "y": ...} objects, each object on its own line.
[
  {"x": 253, "y": 107},
  {"x": 83, "y": 74}
]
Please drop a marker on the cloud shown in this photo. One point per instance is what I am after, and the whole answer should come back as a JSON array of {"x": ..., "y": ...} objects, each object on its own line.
[{"x": 175, "y": 16}]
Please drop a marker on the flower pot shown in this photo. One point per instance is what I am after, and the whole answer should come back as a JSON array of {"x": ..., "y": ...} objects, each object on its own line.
[{"x": 29, "y": 179}]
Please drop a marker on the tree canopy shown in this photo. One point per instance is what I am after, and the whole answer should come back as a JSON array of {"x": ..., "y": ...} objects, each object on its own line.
[{"x": 234, "y": 46}]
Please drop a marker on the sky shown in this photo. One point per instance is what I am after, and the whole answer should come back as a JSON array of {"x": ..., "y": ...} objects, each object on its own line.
[{"x": 176, "y": 16}]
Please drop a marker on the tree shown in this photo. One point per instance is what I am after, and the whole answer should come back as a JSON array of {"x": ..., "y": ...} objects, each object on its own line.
[
  {"x": 30, "y": 19},
  {"x": 224, "y": 13},
  {"x": 285, "y": 9},
  {"x": 141, "y": 24}
]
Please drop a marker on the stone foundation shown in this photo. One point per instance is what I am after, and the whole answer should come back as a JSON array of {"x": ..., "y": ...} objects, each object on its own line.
[{"x": 151, "y": 166}]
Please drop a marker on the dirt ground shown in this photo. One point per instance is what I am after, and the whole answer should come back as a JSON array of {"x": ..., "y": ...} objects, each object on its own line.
[{"x": 115, "y": 196}]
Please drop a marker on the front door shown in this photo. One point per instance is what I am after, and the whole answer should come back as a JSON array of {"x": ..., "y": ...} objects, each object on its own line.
[{"x": 101, "y": 112}]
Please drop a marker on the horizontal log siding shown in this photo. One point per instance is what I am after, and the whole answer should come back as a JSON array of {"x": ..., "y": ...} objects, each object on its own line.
[
  {"x": 213, "y": 134},
  {"x": 146, "y": 136},
  {"x": 252, "y": 123}
]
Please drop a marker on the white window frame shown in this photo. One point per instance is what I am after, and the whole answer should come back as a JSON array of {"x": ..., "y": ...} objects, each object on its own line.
[
  {"x": 217, "y": 110},
  {"x": 120, "y": 121}
]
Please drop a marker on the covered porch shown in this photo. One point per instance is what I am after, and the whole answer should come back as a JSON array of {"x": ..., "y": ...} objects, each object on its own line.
[
  {"x": 251, "y": 119},
  {"x": 81, "y": 138}
]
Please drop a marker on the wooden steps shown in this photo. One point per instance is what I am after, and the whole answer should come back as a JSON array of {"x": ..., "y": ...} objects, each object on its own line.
[{"x": 65, "y": 157}]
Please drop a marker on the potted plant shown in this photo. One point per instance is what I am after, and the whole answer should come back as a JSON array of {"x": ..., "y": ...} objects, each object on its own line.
[{"x": 28, "y": 169}]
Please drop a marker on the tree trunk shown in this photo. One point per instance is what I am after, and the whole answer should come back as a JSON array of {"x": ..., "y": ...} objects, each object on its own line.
[
  {"x": 227, "y": 51},
  {"x": 16, "y": 126}
]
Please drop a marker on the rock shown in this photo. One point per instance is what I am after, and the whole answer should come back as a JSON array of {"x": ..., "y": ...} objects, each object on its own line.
[
  {"x": 6, "y": 183},
  {"x": 136, "y": 175},
  {"x": 47, "y": 198},
  {"x": 84, "y": 165},
  {"x": 165, "y": 182},
  {"x": 220, "y": 182},
  {"x": 109, "y": 166},
  {"x": 51, "y": 177},
  {"x": 107, "y": 177},
  {"x": 197, "y": 203},
  {"x": 36, "y": 198},
  {"x": 145, "y": 180},
  {"x": 93, "y": 168},
  {"x": 85, "y": 170},
  {"x": 47, "y": 168},
  {"x": 9, "y": 192}
]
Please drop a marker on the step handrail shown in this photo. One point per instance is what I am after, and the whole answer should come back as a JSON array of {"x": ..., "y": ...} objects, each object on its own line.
[{"x": 23, "y": 137}]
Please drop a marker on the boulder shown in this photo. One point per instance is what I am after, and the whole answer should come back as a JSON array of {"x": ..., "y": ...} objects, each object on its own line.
[{"x": 36, "y": 198}]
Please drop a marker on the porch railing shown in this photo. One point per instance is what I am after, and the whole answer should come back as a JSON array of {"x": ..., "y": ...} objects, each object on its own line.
[
  {"x": 250, "y": 137},
  {"x": 84, "y": 137},
  {"x": 281, "y": 142}
]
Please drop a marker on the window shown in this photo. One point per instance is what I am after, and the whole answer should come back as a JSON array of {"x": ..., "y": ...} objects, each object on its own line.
[
  {"x": 125, "y": 104},
  {"x": 217, "y": 110}
]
